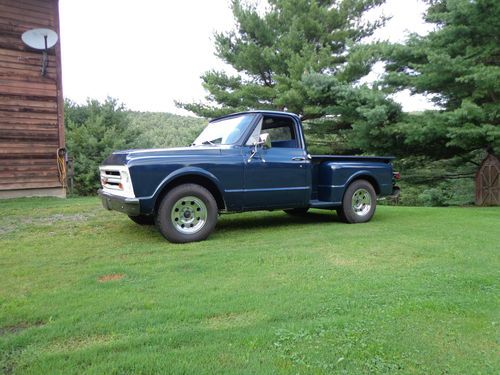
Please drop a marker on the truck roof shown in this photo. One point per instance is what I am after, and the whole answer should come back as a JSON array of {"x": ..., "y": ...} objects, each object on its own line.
[{"x": 263, "y": 112}]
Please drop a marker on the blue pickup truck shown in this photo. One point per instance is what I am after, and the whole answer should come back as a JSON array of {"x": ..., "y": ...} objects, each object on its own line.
[{"x": 241, "y": 162}]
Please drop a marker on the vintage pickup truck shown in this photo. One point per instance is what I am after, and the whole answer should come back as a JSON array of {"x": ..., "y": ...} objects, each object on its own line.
[{"x": 241, "y": 162}]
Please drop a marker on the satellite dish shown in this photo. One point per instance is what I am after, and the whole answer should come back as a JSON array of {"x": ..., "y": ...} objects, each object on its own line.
[{"x": 42, "y": 39}]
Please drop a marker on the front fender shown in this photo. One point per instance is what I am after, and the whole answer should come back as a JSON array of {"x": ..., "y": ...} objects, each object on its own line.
[
  {"x": 148, "y": 203},
  {"x": 187, "y": 171}
]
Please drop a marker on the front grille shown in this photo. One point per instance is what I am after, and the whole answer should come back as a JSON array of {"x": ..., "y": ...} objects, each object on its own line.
[
  {"x": 111, "y": 179},
  {"x": 115, "y": 179}
]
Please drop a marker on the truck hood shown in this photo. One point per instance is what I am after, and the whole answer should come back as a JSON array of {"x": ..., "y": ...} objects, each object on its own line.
[{"x": 124, "y": 156}]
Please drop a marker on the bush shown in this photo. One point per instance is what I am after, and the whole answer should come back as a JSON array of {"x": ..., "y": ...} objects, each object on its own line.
[
  {"x": 93, "y": 131},
  {"x": 434, "y": 197},
  {"x": 457, "y": 192}
]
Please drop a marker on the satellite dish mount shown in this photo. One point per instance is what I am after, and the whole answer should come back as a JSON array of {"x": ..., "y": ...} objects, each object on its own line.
[{"x": 41, "y": 39}]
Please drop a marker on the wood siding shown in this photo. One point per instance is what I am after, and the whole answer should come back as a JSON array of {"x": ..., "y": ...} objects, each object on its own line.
[{"x": 31, "y": 105}]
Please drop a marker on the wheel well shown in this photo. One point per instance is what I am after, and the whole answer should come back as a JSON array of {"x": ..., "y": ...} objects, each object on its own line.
[
  {"x": 192, "y": 179},
  {"x": 370, "y": 179}
]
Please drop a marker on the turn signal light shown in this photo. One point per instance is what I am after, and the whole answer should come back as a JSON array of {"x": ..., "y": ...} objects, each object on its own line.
[{"x": 396, "y": 175}]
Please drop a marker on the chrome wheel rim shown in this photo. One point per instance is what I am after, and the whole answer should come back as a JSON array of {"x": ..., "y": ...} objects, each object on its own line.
[
  {"x": 189, "y": 215},
  {"x": 361, "y": 202}
]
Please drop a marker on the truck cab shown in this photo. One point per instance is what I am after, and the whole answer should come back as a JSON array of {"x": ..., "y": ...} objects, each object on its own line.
[{"x": 244, "y": 161}]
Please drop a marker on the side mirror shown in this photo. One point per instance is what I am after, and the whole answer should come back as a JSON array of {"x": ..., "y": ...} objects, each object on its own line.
[{"x": 265, "y": 140}]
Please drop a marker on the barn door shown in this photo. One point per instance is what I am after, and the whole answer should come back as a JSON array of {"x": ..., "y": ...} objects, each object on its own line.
[{"x": 488, "y": 183}]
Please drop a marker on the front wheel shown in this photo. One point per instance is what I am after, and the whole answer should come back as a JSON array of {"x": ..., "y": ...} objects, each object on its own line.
[
  {"x": 187, "y": 213},
  {"x": 359, "y": 203}
]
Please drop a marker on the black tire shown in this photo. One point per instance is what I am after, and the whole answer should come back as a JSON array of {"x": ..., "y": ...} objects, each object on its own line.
[
  {"x": 297, "y": 211},
  {"x": 359, "y": 203},
  {"x": 341, "y": 215},
  {"x": 187, "y": 213},
  {"x": 143, "y": 219}
]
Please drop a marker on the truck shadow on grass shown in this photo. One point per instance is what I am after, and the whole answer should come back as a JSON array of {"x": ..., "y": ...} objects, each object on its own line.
[
  {"x": 265, "y": 220},
  {"x": 262, "y": 220},
  {"x": 238, "y": 222},
  {"x": 275, "y": 219}
]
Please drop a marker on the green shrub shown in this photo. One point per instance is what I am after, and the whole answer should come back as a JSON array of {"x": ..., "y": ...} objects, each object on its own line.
[{"x": 93, "y": 131}]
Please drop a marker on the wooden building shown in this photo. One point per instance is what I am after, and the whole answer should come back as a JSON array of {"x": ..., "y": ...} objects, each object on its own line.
[
  {"x": 31, "y": 104},
  {"x": 488, "y": 182}
]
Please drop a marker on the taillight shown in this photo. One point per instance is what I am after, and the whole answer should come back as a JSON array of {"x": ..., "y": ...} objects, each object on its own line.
[{"x": 396, "y": 175}]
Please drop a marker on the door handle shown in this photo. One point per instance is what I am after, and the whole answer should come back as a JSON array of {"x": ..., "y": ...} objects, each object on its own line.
[{"x": 298, "y": 158}]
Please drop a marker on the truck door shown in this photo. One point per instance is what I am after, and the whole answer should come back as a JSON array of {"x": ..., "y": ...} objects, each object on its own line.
[{"x": 277, "y": 177}]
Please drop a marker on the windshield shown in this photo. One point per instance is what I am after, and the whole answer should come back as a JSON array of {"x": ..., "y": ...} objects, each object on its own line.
[{"x": 224, "y": 132}]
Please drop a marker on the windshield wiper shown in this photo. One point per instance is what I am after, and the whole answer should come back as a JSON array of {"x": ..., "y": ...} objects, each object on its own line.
[
  {"x": 207, "y": 142},
  {"x": 204, "y": 143}
]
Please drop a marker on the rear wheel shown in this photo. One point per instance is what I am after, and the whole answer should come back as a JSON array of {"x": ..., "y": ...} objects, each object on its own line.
[
  {"x": 187, "y": 213},
  {"x": 359, "y": 203},
  {"x": 143, "y": 219},
  {"x": 297, "y": 211}
]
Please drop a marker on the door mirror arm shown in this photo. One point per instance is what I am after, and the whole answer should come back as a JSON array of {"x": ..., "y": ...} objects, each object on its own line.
[{"x": 263, "y": 142}]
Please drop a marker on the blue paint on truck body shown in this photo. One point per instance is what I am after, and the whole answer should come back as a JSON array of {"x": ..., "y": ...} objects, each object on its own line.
[{"x": 281, "y": 177}]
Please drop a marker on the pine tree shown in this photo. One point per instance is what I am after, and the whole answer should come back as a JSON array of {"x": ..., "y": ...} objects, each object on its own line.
[
  {"x": 273, "y": 50},
  {"x": 458, "y": 64}
]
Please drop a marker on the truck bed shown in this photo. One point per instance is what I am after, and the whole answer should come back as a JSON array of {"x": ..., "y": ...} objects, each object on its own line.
[{"x": 331, "y": 174}]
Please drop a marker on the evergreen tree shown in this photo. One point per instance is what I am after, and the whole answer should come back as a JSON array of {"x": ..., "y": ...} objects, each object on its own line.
[
  {"x": 273, "y": 50},
  {"x": 351, "y": 119},
  {"x": 459, "y": 65}
]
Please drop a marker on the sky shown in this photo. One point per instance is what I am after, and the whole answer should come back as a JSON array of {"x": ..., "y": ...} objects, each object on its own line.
[{"x": 150, "y": 53}]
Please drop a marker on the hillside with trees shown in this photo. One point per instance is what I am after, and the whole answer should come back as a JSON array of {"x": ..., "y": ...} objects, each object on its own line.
[{"x": 159, "y": 129}]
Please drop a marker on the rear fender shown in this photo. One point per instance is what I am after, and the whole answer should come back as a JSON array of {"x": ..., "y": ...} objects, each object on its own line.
[
  {"x": 335, "y": 177},
  {"x": 364, "y": 175}
]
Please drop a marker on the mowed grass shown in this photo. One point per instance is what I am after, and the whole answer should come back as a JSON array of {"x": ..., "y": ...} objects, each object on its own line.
[{"x": 83, "y": 290}]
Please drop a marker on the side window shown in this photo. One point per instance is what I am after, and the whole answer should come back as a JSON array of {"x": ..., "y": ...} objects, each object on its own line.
[
  {"x": 280, "y": 134},
  {"x": 281, "y": 130}
]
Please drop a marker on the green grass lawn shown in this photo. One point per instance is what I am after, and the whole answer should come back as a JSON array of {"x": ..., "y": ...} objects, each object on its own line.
[{"x": 83, "y": 290}]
